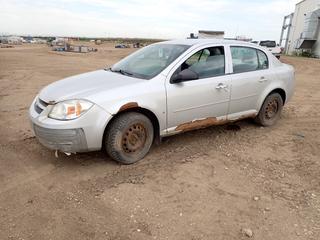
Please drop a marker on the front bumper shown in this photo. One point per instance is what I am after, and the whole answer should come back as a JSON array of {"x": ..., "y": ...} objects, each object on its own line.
[
  {"x": 65, "y": 140},
  {"x": 79, "y": 135}
]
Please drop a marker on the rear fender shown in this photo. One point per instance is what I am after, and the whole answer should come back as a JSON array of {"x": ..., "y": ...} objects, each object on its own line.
[{"x": 266, "y": 92}]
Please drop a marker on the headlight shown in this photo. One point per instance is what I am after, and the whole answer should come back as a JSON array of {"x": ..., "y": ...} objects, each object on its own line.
[{"x": 70, "y": 109}]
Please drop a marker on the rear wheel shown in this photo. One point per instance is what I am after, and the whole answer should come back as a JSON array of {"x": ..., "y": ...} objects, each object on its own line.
[
  {"x": 129, "y": 137},
  {"x": 271, "y": 110}
]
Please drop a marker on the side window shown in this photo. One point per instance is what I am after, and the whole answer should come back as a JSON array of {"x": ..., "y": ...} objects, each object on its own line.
[
  {"x": 208, "y": 62},
  {"x": 263, "y": 60},
  {"x": 244, "y": 59},
  {"x": 200, "y": 56}
]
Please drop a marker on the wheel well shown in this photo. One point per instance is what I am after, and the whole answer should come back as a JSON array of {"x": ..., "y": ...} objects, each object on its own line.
[
  {"x": 153, "y": 118},
  {"x": 281, "y": 92}
]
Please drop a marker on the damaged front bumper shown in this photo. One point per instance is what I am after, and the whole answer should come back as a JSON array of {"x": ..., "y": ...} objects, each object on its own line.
[
  {"x": 79, "y": 135},
  {"x": 64, "y": 140}
]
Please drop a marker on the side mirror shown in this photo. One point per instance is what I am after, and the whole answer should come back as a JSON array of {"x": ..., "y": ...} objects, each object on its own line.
[{"x": 184, "y": 75}]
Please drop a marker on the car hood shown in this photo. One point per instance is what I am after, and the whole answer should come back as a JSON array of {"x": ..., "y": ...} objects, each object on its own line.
[{"x": 83, "y": 85}]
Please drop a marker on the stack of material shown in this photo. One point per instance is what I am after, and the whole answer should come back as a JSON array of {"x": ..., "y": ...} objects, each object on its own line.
[
  {"x": 6, "y": 46},
  {"x": 75, "y": 48}
]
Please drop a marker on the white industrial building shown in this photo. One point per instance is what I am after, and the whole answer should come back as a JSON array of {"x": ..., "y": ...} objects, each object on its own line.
[
  {"x": 210, "y": 34},
  {"x": 301, "y": 29},
  {"x": 11, "y": 40}
]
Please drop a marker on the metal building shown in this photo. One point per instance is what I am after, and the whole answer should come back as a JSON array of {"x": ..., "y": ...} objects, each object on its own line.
[{"x": 301, "y": 29}]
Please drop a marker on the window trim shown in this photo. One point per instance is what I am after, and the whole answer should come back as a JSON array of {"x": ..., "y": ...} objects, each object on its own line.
[
  {"x": 256, "y": 49},
  {"x": 202, "y": 49},
  {"x": 259, "y": 59}
]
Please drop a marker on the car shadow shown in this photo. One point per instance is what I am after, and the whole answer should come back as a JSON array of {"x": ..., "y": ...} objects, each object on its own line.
[{"x": 167, "y": 144}]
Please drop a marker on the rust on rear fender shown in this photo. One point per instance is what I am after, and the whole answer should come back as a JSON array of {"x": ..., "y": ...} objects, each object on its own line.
[{"x": 128, "y": 106}]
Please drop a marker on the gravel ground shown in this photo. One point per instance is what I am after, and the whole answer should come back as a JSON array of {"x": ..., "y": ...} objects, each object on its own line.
[{"x": 245, "y": 182}]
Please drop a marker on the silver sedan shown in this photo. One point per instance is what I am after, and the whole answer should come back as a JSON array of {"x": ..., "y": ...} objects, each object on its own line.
[{"x": 163, "y": 89}]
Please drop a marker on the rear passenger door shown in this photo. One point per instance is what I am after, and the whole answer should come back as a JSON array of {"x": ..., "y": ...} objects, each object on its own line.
[{"x": 249, "y": 78}]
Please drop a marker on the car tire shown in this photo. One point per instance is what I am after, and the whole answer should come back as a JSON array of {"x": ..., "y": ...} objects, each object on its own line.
[
  {"x": 270, "y": 111},
  {"x": 129, "y": 137}
]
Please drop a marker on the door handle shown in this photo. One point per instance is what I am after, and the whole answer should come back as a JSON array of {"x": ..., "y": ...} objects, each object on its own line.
[
  {"x": 221, "y": 86},
  {"x": 263, "y": 79}
]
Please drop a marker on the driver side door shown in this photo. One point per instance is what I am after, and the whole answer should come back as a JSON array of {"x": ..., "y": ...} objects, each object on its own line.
[{"x": 198, "y": 103}]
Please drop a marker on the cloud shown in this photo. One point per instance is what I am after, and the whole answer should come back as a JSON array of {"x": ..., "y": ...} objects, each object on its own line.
[{"x": 134, "y": 18}]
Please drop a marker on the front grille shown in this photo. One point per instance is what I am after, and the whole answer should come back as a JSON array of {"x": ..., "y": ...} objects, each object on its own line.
[
  {"x": 40, "y": 105},
  {"x": 37, "y": 108},
  {"x": 43, "y": 103}
]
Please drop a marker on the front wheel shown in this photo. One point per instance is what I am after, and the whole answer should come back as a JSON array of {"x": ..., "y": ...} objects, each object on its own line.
[
  {"x": 270, "y": 111},
  {"x": 129, "y": 137}
]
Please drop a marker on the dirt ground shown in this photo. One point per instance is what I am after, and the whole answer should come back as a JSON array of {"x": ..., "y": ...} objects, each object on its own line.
[{"x": 206, "y": 184}]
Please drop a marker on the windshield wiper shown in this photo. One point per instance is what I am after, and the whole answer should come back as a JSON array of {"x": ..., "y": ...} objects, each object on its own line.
[{"x": 123, "y": 72}]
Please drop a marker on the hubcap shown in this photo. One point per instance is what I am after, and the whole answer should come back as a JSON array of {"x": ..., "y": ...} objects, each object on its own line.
[
  {"x": 271, "y": 109},
  {"x": 134, "y": 138}
]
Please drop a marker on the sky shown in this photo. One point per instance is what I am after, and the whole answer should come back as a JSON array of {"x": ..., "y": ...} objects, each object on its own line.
[{"x": 164, "y": 19}]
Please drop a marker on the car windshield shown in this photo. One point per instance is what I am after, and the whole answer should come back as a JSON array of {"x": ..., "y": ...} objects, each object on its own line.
[
  {"x": 149, "y": 61},
  {"x": 268, "y": 44}
]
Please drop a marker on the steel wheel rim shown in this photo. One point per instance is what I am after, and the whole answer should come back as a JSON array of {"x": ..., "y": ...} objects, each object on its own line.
[
  {"x": 271, "y": 109},
  {"x": 134, "y": 138}
]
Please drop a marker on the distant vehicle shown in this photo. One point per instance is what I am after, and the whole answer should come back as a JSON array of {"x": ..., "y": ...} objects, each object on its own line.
[
  {"x": 121, "y": 46},
  {"x": 272, "y": 46},
  {"x": 160, "y": 90}
]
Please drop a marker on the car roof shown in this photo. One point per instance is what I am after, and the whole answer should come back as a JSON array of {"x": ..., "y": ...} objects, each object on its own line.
[{"x": 195, "y": 42}]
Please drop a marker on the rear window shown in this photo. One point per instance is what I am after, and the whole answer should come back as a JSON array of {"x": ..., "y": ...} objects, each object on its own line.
[
  {"x": 269, "y": 44},
  {"x": 246, "y": 59}
]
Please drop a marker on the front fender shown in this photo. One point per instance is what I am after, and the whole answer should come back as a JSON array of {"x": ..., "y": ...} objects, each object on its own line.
[{"x": 149, "y": 95}]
